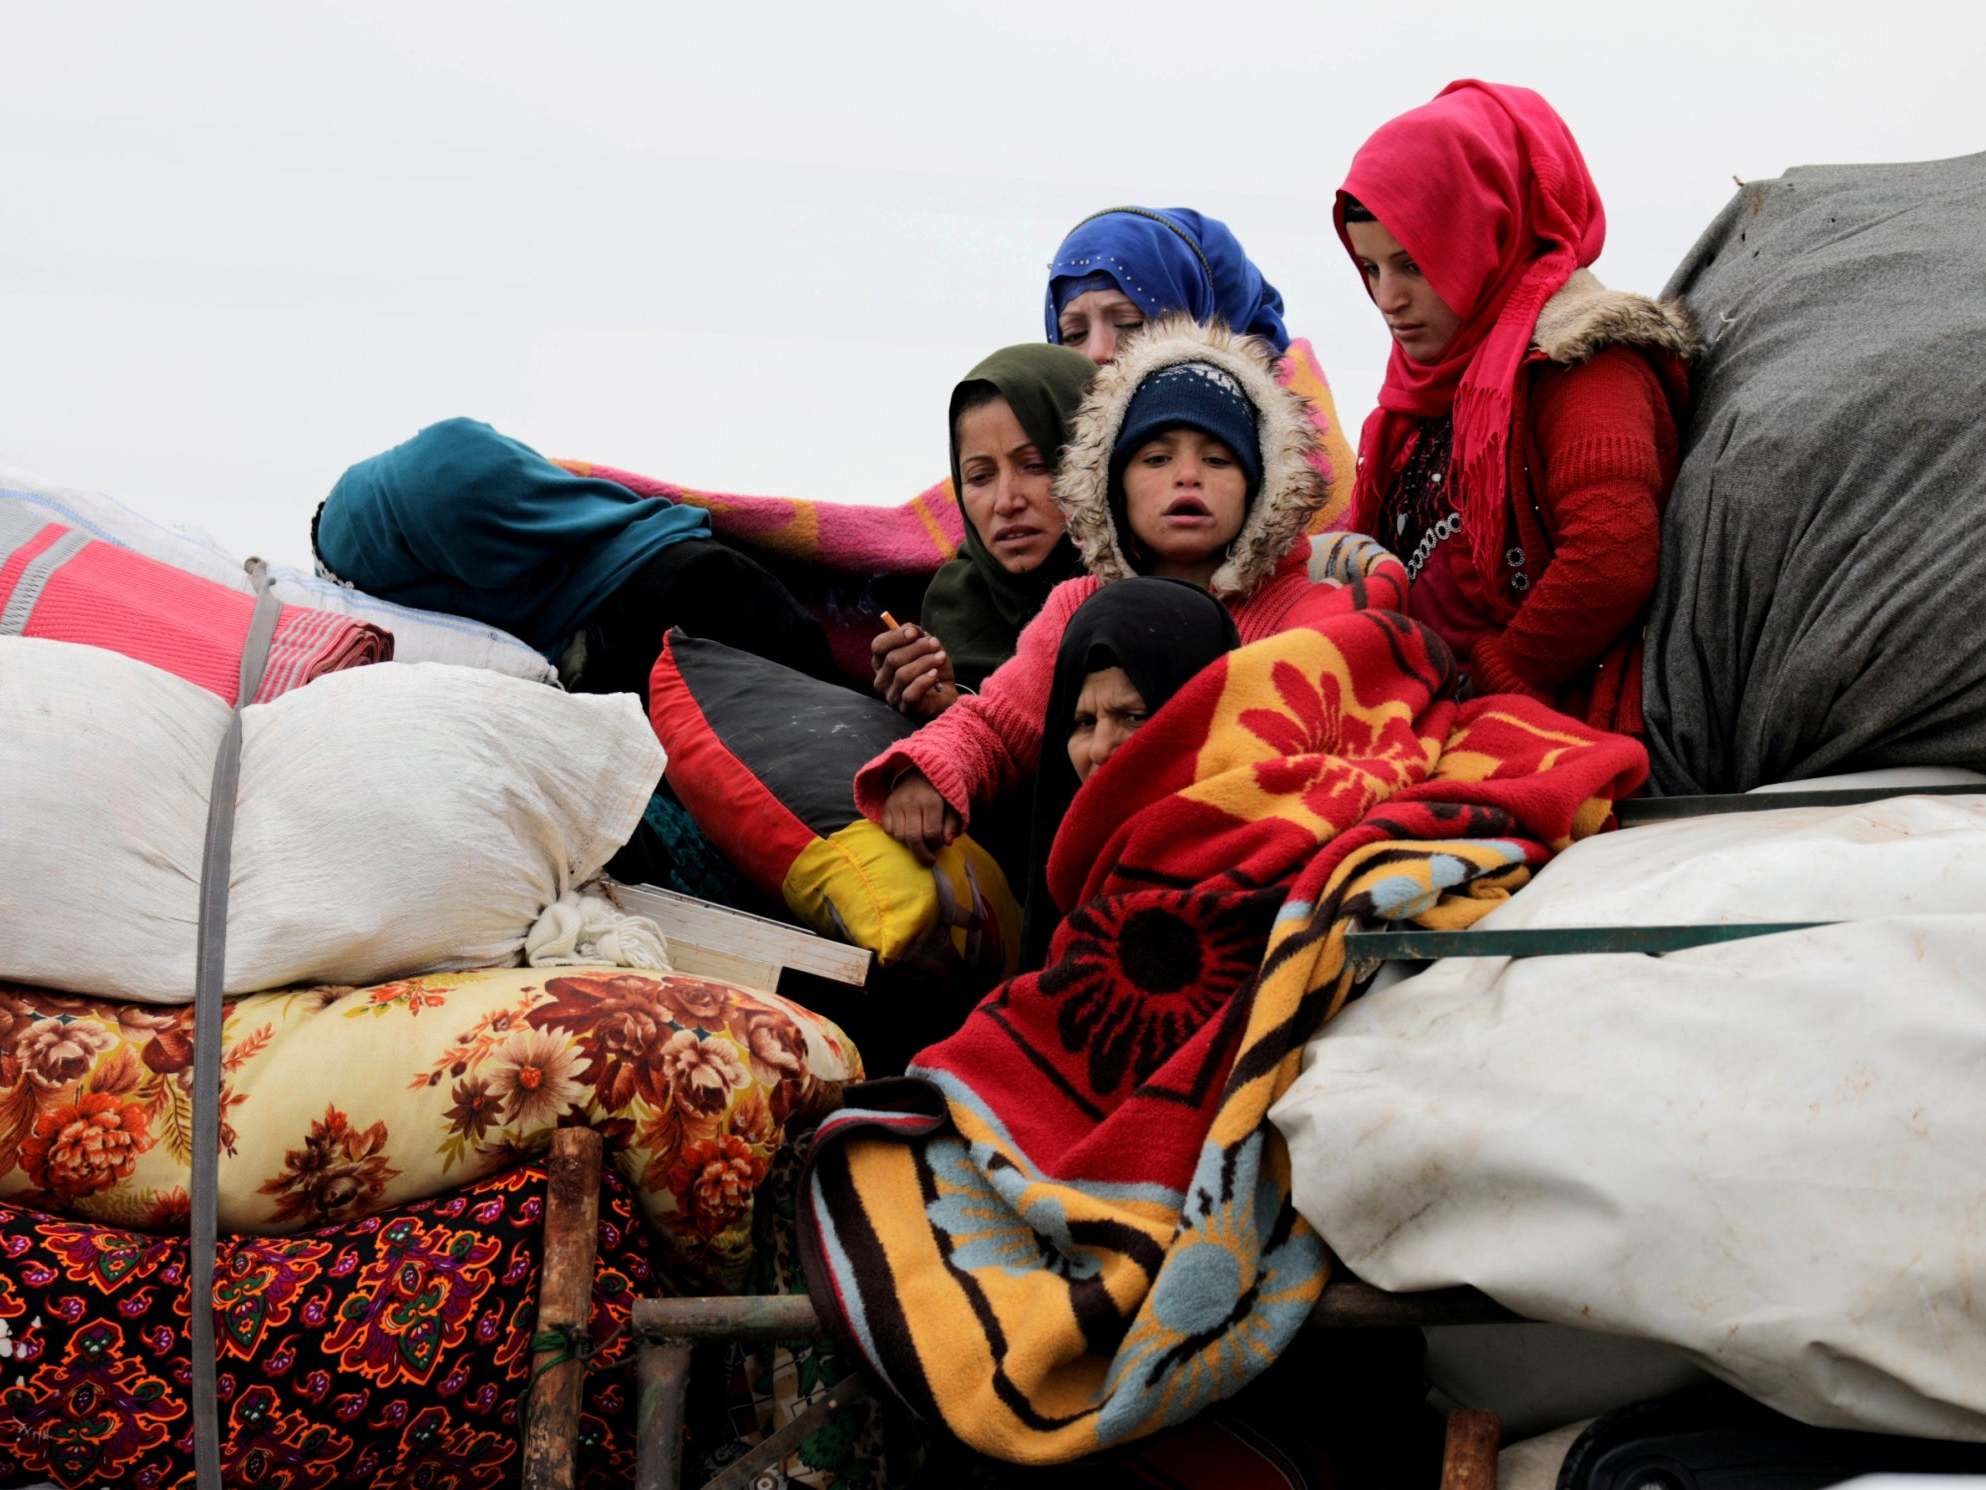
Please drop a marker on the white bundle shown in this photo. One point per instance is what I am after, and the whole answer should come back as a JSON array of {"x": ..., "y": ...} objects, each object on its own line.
[
  {"x": 1767, "y": 1153},
  {"x": 1898, "y": 856},
  {"x": 391, "y": 820},
  {"x": 418, "y": 635},
  {"x": 584, "y": 927}
]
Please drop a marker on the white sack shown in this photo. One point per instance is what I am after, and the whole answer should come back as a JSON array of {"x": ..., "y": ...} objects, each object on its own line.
[
  {"x": 1770, "y": 1153},
  {"x": 1900, "y": 856},
  {"x": 418, "y": 635},
  {"x": 391, "y": 820}
]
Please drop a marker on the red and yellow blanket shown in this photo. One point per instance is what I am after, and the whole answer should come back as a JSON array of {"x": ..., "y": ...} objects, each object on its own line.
[{"x": 1071, "y": 1224}]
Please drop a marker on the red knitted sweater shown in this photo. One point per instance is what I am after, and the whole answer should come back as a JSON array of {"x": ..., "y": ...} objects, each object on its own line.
[
  {"x": 1588, "y": 481},
  {"x": 985, "y": 745}
]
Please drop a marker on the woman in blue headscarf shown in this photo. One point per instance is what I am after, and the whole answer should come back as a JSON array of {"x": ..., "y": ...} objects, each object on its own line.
[{"x": 1124, "y": 266}]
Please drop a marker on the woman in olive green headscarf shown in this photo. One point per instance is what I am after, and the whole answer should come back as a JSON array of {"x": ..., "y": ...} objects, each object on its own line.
[{"x": 1009, "y": 420}]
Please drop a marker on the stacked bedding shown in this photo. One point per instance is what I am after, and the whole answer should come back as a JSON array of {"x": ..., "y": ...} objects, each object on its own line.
[{"x": 408, "y": 839}]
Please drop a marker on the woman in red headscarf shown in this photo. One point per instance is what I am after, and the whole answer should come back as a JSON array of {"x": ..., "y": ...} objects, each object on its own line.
[{"x": 1526, "y": 434}]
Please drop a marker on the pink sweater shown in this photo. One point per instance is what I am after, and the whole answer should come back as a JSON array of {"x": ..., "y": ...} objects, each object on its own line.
[{"x": 984, "y": 746}]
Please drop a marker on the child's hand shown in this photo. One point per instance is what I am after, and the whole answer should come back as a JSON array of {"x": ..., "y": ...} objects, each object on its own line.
[{"x": 918, "y": 818}]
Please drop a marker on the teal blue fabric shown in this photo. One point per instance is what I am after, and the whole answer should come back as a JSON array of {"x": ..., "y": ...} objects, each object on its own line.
[{"x": 465, "y": 520}]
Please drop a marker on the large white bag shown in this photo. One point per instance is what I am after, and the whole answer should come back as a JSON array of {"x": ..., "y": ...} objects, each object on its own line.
[
  {"x": 418, "y": 635},
  {"x": 1899, "y": 856},
  {"x": 391, "y": 820},
  {"x": 1770, "y": 1153}
]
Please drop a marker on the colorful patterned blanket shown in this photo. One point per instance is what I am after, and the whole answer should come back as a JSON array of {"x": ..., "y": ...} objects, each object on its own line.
[
  {"x": 1071, "y": 1224},
  {"x": 385, "y": 1354},
  {"x": 833, "y": 553},
  {"x": 338, "y": 1103}
]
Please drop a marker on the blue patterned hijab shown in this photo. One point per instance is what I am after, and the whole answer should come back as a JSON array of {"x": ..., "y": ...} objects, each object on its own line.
[{"x": 1167, "y": 261}]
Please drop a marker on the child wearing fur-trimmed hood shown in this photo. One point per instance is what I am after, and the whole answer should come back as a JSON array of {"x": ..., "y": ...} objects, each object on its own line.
[{"x": 1190, "y": 461}]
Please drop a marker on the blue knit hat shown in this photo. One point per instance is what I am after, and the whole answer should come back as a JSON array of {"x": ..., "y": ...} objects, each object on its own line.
[{"x": 1190, "y": 395}]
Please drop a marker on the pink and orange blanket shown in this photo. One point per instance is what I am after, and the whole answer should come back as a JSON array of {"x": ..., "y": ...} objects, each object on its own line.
[
  {"x": 1071, "y": 1224},
  {"x": 63, "y": 585},
  {"x": 831, "y": 553}
]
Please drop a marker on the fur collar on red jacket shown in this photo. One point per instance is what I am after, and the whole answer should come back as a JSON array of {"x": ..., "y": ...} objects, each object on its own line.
[{"x": 1585, "y": 316}]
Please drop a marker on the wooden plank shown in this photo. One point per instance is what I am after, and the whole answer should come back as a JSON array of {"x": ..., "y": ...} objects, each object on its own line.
[
  {"x": 746, "y": 1470},
  {"x": 1350, "y": 1304},
  {"x": 1554, "y": 941},
  {"x": 755, "y": 1318},
  {"x": 1346, "y": 1303},
  {"x": 658, "y": 1432},
  {"x": 565, "y": 1307},
  {"x": 1468, "y": 1460},
  {"x": 748, "y": 941},
  {"x": 722, "y": 967}
]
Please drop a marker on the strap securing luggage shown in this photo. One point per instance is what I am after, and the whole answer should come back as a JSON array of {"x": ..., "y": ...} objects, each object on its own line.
[{"x": 209, "y": 977}]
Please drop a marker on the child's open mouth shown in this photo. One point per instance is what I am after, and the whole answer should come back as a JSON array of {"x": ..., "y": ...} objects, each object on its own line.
[{"x": 1189, "y": 510}]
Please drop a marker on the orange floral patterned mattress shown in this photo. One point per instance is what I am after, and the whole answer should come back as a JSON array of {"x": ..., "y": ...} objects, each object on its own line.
[{"x": 341, "y": 1102}]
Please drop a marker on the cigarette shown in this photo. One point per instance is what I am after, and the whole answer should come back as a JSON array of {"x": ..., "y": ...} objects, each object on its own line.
[{"x": 890, "y": 621}]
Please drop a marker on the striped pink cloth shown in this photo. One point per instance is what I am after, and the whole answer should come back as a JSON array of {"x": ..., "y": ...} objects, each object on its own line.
[{"x": 65, "y": 586}]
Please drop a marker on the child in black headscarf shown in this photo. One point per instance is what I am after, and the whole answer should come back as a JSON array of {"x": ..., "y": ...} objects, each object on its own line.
[{"x": 1128, "y": 650}]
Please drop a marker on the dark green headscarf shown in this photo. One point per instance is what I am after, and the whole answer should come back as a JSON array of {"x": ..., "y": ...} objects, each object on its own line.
[{"x": 974, "y": 606}]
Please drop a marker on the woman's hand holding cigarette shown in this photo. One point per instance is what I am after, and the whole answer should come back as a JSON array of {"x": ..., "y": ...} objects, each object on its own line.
[{"x": 913, "y": 672}]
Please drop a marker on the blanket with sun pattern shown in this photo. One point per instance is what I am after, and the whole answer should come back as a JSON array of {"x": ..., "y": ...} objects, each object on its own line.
[{"x": 1070, "y": 1224}]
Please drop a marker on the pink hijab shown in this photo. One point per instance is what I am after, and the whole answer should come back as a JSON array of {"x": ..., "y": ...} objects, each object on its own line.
[{"x": 1486, "y": 188}]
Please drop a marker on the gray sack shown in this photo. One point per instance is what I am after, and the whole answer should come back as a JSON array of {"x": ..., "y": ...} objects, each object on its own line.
[{"x": 1823, "y": 559}]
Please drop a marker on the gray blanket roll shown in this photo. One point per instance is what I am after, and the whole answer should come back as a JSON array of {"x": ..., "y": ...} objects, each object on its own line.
[{"x": 1822, "y": 603}]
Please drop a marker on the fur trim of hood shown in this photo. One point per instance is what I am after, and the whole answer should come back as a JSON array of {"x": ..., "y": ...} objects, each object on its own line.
[
  {"x": 1291, "y": 489},
  {"x": 1585, "y": 316}
]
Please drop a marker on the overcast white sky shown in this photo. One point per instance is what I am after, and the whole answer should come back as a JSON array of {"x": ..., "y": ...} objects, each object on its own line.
[{"x": 750, "y": 246}]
